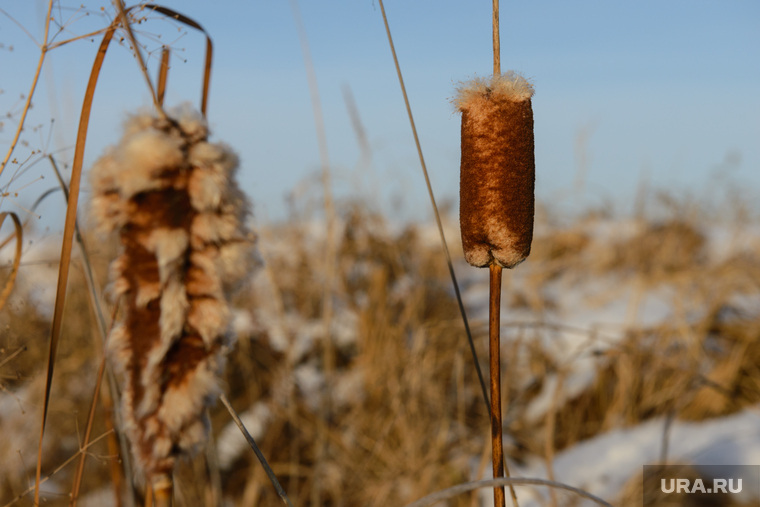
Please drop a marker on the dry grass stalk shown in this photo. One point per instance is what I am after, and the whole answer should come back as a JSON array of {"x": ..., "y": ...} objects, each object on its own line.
[
  {"x": 328, "y": 356},
  {"x": 452, "y": 492},
  {"x": 68, "y": 235},
  {"x": 126, "y": 25},
  {"x": 19, "y": 235},
  {"x": 171, "y": 13},
  {"x": 429, "y": 396},
  {"x": 107, "y": 397},
  {"x": 27, "y": 105},
  {"x": 173, "y": 200},
  {"x": 59, "y": 468},
  {"x": 88, "y": 432},
  {"x": 438, "y": 221}
]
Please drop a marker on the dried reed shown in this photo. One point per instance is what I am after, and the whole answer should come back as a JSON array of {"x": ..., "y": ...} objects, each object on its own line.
[
  {"x": 173, "y": 200},
  {"x": 19, "y": 235},
  {"x": 496, "y": 199},
  {"x": 437, "y": 215}
]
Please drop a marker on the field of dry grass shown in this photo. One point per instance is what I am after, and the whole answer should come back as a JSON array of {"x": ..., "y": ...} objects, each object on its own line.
[
  {"x": 400, "y": 414},
  {"x": 350, "y": 365}
]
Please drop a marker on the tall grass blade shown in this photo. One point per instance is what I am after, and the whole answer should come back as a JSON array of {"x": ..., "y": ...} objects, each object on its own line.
[
  {"x": 19, "y": 234},
  {"x": 272, "y": 477},
  {"x": 88, "y": 431},
  {"x": 95, "y": 298},
  {"x": 68, "y": 234},
  {"x": 127, "y": 26},
  {"x": 437, "y": 214},
  {"x": 116, "y": 440},
  {"x": 209, "y": 47}
]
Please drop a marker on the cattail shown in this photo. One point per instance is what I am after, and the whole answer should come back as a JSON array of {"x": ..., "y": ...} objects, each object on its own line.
[
  {"x": 173, "y": 199},
  {"x": 497, "y": 171},
  {"x": 497, "y": 179}
]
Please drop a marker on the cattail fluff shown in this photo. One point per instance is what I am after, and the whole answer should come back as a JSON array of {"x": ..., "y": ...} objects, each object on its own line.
[
  {"x": 173, "y": 199},
  {"x": 497, "y": 172}
]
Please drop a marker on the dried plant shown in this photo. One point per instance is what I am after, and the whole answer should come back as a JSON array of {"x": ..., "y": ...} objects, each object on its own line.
[
  {"x": 172, "y": 197},
  {"x": 497, "y": 170},
  {"x": 496, "y": 208}
]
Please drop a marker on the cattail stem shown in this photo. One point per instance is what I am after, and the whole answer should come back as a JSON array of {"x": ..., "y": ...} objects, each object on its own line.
[
  {"x": 496, "y": 282},
  {"x": 162, "y": 491},
  {"x": 496, "y": 41},
  {"x": 494, "y": 318},
  {"x": 497, "y": 174}
]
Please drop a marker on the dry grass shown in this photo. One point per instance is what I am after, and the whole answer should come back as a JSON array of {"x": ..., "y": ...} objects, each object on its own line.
[
  {"x": 391, "y": 433},
  {"x": 406, "y": 413},
  {"x": 405, "y": 416}
]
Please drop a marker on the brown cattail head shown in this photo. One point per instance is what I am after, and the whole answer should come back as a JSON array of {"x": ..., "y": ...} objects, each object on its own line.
[
  {"x": 497, "y": 172},
  {"x": 173, "y": 200}
]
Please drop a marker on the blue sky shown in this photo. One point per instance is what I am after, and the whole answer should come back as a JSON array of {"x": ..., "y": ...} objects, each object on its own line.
[{"x": 666, "y": 92}]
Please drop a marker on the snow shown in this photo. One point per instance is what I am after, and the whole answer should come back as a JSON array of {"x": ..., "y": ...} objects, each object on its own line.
[
  {"x": 588, "y": 314},
  {"x": 38, "y": 273},
  {"x": 604, "y": 464}
]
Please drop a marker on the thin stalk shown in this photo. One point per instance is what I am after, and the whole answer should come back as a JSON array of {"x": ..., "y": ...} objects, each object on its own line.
[
  {"x": 88, "y": 431},
  {"x": 74, "y": 39},
  {"x": 163, "y": 71},
  {"x": 551, "y": 424},
  {"x": 453, "y": 491},
  {"x": 496, "y": 40},
  {"x": 58, "y": 469},
  {"x": 19, "y": 235},
  {"x": 435, "y": 212},
  {"x": 117, "y": 444},
  {"x": 13, "y": 355},
  {"x": 162, "y": 491},
  {"x": 319, "y": 124},
  {"x": 257, "y": 451},
  {"x": 43, "y": 51},
  {"x": 95, "y": 298},
  {"x": 328, "y": 354},
  {"x": 494, "y": 349},
  {"x": 170, "y": 13},
  {"x": 68, "y": 233},
  {"x": 90, "y": 419},
  {"x": 496, "y": 73},
  {"x": 127, "y": 26}
]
